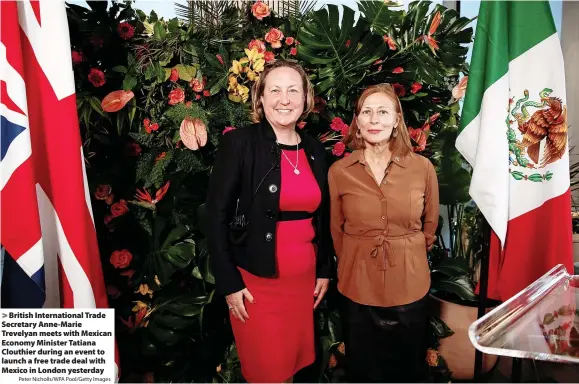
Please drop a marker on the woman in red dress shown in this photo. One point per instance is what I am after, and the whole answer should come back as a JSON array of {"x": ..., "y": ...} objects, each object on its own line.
[{"x": 274, "y": 265}]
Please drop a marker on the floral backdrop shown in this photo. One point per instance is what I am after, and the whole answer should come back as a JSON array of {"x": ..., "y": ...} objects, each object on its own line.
[{"x": 154, "y": 97}]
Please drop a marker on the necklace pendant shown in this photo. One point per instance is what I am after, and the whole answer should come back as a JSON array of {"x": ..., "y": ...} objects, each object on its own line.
[{"x": 296, "y": 171}]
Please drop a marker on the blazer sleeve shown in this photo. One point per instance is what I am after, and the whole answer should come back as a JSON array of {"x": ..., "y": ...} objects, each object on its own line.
[
  {"x": 222, "y": 194},
  {"x": 336, "y": 214},
  {"x": 431, "y": 205},
  {"x": 325, "y": 260}
]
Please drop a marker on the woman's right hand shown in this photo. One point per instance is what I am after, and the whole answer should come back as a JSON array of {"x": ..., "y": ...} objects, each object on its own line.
[{"x": 236, "y": 304}]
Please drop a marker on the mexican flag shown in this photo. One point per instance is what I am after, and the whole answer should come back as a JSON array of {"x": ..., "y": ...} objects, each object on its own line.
[{"x": 513, "y": 133}]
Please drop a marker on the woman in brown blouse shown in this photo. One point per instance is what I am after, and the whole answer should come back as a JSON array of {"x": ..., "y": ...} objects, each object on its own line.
[{"x": 384, "y": 214}]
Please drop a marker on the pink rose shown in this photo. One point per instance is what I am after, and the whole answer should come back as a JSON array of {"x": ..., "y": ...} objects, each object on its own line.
[{"x": 274, "y": 37}]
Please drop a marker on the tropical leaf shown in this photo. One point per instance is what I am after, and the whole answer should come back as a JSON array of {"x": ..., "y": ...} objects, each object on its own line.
[
  {"x": 342, "y": 52},
  {"x": 440, "y": 328},
  {"x": 461, "y": 286},
  {"x": 380, "y": 17}
]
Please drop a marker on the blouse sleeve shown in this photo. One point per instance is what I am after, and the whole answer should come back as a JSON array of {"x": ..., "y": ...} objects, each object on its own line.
[
  {"x": 336, "y": 214},
  {"x": 431, "y": 206}
]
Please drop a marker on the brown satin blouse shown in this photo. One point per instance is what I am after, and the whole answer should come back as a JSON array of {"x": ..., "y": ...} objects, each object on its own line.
[{"x": 381, "y": 232}]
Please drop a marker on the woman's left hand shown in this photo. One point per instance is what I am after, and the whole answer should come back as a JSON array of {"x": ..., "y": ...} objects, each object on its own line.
[{"x": 320, "y": 291}]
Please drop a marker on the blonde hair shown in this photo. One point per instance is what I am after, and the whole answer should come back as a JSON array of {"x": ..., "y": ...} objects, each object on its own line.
[
  {"x": 399, "y": 144},
  {"x": 258, "y": 87}
]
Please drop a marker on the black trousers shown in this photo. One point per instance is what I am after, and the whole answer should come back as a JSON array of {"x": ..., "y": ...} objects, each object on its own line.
[{"x": 386, "y": 344}]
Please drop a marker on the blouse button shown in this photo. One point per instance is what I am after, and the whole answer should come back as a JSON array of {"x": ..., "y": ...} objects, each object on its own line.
[
  {"x": 268, "y": 236},
  {"x": 273, "y": 188},
  {"x": 383, "y": 200},
  {"x": 383, "y": 218}
]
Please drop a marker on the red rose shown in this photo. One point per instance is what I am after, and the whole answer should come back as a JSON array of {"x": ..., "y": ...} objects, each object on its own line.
[
  {"x": 337, "y": 124},
  {"x": 206, "y": 93},
  {"x": 293, "y": 51},
  {"x": 176, "y": 96},
  {"x": 125, "y": 30},
  {"x": 268, "y": 56},
  {"x": 415, "y": 87},
  {"x": 76, "y": 57},
  {"x": 289, "y": 40},
  {"x": 339, "y": 148},
  {"x": 174, "y": 75},
  {"x": 398, "y": 70},
  {"x": 121, "y": 259},
  {"x": 345, "y": 130},
  {"x": 257, "y": 44},
  {"x": 399, "y": 89},
  {"x": 219, "y": 58},
  {"x": 348, "y": 43},
  {"x": 119, "y": 208},
  {"x": 96, "y": 77}
]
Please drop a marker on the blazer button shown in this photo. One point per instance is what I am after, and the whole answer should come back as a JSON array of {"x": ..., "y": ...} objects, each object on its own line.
[
  {"x": 268, "y": 236},
  {"x": 270, "y": 214},
  {"x": 273, "y": 188}
]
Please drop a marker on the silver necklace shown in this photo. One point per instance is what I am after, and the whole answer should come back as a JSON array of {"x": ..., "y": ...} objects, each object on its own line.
[{"x": 295, "y": 167}]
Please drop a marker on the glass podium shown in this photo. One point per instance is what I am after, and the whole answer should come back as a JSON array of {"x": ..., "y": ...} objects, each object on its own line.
[{"x": 540, "y": 323}]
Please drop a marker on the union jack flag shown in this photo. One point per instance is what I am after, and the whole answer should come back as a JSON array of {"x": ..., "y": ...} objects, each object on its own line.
[{"x": 51, "y": 256}]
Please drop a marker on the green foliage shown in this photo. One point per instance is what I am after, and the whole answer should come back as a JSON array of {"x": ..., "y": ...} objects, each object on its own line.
[{"x": 171, "y": 325}]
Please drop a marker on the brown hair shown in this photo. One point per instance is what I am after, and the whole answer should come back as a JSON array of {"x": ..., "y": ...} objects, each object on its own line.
[
  {"x": 258, "y": 87},
  {"x": 399, "y": 144}
]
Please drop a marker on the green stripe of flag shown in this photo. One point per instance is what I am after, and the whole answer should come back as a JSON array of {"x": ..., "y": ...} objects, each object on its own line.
[{"x": 505, "y": 30}]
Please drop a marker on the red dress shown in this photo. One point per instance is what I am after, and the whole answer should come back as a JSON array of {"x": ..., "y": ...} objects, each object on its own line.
[{"x": 278, "y": 338}]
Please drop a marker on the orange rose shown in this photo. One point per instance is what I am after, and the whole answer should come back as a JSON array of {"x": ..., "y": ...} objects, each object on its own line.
[
  {"x": 274, "y": 37},
  {"x": 119, "y": 208},
  {"x": 121, "y": 259},
  {"x": 257, "y": 44},
  {"x": 260, "y": 10},
  {"x": 197, "y": 85},
  {"x": 176, "y": 96}
]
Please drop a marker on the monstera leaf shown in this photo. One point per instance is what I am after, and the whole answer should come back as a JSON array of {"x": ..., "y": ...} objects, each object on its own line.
[
  {"x": 342, "y": 52},
  {"x": 380, "y": 17}
]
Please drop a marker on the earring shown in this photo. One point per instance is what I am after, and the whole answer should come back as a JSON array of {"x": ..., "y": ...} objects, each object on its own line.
[
  {"x": 394, "y": 132},
  {"x": 358, "y": 134}
]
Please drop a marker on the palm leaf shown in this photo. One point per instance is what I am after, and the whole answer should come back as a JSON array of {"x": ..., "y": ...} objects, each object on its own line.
[
  {"x": 342, "y": 52},
  {"x": 215, "y": 20}
]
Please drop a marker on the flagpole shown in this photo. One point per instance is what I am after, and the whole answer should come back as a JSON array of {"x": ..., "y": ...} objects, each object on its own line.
[{"x": 483, "y": 286}]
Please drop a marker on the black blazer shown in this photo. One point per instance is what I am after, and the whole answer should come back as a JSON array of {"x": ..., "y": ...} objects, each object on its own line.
[{"x": 248, "y": 157}]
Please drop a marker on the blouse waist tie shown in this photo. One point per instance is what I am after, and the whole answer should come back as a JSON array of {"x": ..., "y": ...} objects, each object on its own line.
[{"x": 382, "y": 246}]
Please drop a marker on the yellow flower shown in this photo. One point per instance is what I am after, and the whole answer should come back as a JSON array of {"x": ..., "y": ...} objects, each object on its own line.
[
  {"x": 258, "y": 65},
  {"x": 139, "y": 305},
  {"x": 236, "y": 67},
  {"x": 243, "y": 91},
  {"x": 253, "y": 54},
  {"x": 244, "y": 60},
  {"x": 232, "y": 82},
  {"x": 251, "y": 75}
]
